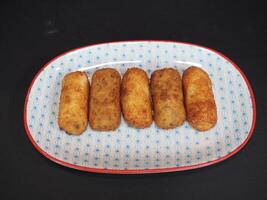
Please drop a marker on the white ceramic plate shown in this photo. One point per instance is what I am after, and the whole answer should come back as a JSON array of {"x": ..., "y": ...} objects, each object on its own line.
[{"x": 130, "y": 150}]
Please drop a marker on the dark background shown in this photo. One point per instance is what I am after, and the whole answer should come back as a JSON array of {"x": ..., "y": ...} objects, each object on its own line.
[{"x": 32, "y": 33}]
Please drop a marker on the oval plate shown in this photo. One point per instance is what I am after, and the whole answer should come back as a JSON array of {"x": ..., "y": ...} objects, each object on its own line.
[{"x": 128, "y": 150}]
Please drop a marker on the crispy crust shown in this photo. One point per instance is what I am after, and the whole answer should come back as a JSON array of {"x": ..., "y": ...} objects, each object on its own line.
[
  {"x": 135, "y": 98},
  {"x": 167, "y": 95},
  {"x": 105, "y": 111},
  {"x": 199, "y": 99},
  {"x": 73, "y": 106}
]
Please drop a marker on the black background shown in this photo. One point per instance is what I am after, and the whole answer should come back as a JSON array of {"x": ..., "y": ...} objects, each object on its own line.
[{"x": 32, "y": 33}]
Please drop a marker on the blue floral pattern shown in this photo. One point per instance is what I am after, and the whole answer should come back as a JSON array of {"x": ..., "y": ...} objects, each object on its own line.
[{"x": 150, "y": 148}]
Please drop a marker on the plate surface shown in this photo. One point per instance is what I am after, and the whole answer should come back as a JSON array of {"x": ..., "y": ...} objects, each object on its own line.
[{"x": 150, "y": 150}]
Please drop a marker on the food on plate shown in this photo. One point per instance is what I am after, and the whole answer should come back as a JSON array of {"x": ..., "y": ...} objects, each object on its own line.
[
  {"x": 167, "y": 96},
  {"x": 109, "y": 95},
  {"x": 199, "y": 99},
  {"x": 73, "y": 106},
  {"x": 105, "y": 111},
  {"x": 135, "y": 98}
]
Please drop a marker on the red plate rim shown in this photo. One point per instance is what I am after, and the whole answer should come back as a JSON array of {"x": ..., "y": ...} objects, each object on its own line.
[{"x": 140, "y": 171}]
